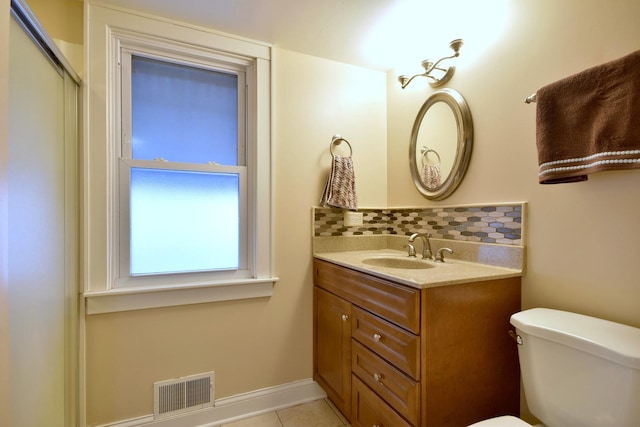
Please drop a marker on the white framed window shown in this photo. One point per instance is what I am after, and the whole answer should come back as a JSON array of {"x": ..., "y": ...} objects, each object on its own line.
[
  {"x": 187, "y": 170},
  {"x": 182, "y": 190}
]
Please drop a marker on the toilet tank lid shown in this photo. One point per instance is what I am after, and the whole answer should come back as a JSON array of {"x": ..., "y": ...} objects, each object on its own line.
[{"x": 613, "y": 341}]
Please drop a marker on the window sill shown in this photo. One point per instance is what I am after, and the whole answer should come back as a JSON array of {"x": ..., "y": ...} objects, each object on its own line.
[{"x": 125, "y": 299}]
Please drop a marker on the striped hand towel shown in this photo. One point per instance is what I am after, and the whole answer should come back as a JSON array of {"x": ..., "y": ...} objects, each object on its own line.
[{"x": 340, "y": 189}]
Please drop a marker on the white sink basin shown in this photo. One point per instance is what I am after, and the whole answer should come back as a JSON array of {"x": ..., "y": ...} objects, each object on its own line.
[{"x": 398, "y": 262}]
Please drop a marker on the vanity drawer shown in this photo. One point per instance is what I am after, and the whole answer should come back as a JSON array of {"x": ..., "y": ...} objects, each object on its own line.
[
  {"x": 399, "y": 391},
  {"x": 399, "y": 347},
  {"x": 369, "y": 410},
  {"x": 396, "y": 303}
]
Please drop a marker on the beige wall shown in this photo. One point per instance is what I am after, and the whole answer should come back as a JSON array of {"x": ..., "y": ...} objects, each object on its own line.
[
  {"x": 64, "y": 22},
  {"x": 63, "y": 19},
  {"x": 582, "y": 238},
  {"x": 257, "y": 343}
]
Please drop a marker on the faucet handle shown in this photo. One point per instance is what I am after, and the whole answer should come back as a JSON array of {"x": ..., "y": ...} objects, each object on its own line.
[
  {"x": 440, "y": 254},
  {"x": 412, "y": 250}
]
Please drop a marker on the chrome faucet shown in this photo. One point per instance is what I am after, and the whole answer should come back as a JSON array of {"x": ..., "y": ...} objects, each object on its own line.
[
  {"x": 440, "y": 254},
  {"x": 426, "y": 244},
  {"x": 412, "y": 250}
]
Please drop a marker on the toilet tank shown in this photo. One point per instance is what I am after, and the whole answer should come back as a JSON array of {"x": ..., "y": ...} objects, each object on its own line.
[{"x": 579, "y": 371}]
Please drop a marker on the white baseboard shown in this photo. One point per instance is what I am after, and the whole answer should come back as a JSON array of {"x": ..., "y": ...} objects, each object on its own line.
[{"x": 229, "y": 409}]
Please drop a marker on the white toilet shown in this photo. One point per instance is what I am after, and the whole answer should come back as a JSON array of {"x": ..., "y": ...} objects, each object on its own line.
[{"x": 577, "y": 371}]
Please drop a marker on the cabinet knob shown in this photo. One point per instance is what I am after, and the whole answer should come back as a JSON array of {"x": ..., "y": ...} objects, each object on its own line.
[
  {"x": 345, "y": 317},
  {"x": 377, "y": 377},
  {"x": 377, "y": 337},
  {"x": 377, "y": 425}
]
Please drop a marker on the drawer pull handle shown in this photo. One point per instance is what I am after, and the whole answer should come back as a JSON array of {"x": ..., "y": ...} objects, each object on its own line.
[
  {"x": 378, "y": 378},
  {"x": 345, "y": 317},
  {"x": 377, "y": 337}
]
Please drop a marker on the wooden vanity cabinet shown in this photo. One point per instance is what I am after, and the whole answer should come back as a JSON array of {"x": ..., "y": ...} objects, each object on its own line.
[{"x": 392, "y": 355}]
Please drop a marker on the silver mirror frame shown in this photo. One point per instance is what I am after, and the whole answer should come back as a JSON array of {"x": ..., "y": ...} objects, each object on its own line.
[{"x": 464, "y": 123}]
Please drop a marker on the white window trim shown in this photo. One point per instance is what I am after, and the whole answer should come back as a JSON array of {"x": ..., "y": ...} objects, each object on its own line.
[{"x": 106, "y": 29}]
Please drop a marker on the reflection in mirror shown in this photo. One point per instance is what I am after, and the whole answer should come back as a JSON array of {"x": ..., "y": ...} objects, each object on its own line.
[
  {"x": 441, "y": 142},
  {"x": 430, "y": 167},
  {"x": 435, "y": 151}
]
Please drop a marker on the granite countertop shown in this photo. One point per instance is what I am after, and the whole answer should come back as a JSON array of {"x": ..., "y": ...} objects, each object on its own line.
[{"x": 451, "y": 272}]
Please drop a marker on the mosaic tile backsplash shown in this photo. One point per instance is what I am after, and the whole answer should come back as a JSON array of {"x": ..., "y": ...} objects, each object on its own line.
[{"x": 486, "y": 224}]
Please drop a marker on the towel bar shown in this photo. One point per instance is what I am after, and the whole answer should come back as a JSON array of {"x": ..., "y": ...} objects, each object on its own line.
[
  {"x": 336, "y": 140},
  {"x": 425, "y": 151}
]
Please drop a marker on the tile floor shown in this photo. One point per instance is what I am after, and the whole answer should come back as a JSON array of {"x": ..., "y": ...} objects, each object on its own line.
[{"x": 319, "y": 413}]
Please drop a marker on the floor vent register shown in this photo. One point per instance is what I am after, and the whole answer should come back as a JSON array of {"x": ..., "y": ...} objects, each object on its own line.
[{"x": 185, "y": 394}]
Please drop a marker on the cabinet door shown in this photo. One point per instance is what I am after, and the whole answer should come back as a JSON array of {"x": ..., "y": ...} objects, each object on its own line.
[{"x": 332, "y": 342}]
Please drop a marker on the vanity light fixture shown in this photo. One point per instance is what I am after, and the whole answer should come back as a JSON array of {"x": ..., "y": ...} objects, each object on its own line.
[{"x": 432, "y": 67}]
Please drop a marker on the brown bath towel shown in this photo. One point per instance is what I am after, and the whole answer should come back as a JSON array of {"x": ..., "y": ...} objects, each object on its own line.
[{"x": 590, "y": 122}]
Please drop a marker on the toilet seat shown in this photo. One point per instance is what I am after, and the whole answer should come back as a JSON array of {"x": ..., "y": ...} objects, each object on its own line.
[{"x": 505, "y": 421}]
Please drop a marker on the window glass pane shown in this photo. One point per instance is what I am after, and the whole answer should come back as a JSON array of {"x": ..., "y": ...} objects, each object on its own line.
[
  {"x": 183, "y": 221},
  {"x": 183, "y": 114}
]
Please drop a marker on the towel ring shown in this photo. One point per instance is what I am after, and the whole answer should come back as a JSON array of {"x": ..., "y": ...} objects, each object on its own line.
[
  {"x": 425, "y": 151},
  {"x": 336, "y": 140}
]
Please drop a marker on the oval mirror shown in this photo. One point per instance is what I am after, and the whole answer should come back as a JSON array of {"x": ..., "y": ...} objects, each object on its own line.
[{"x": 441, "y": 144}]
